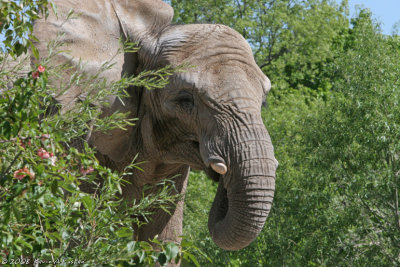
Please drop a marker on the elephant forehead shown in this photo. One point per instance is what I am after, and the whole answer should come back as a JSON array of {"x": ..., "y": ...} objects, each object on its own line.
[
  {"x": 224, "y": 82},
  {"x": 202, "y": 44},
  {"x": 234, "y": 83},
  {"x": 221, "y": 63}
]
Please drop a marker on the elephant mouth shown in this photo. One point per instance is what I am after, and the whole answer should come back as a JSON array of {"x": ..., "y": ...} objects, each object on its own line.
[
  {"x": 196, "y": 162},
  {"x": 196, "y": 146},
  {"x": 212, "y": 174},
  {"x": 199, "y": 164}
]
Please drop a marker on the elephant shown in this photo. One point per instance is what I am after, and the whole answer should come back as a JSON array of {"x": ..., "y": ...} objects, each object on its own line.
[{"x": 207, "y": 118}]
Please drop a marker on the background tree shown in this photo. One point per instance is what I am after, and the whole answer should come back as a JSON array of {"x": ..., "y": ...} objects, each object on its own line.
[
  {"x": 16, "y": 23},
  {"x": 336, "y": 202},
  {"x": 360, "y": 148}
]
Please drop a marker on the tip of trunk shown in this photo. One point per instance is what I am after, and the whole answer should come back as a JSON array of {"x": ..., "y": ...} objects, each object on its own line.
[{"x": 237, "y": 217}]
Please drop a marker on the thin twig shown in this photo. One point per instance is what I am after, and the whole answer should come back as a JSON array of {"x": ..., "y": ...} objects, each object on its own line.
[
  {"x": 22, "y": 138},
  {"x": 69, "y": 241},
  {"x": 47, "y": 240},
  {"x": 11, "y": 164}
]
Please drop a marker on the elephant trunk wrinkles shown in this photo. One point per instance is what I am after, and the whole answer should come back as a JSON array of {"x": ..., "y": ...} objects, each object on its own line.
[{"x": 244, "y": 196}]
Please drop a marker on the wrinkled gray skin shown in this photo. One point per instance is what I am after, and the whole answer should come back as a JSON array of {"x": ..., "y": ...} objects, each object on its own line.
[{"x": 208, "y": 116}]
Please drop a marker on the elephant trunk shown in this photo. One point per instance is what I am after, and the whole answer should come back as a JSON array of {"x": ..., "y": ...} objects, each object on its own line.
[{"x": 244, "y": 196}]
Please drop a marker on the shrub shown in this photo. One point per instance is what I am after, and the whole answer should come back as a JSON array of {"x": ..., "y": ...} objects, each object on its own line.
[{"x": 45, "y": 216}]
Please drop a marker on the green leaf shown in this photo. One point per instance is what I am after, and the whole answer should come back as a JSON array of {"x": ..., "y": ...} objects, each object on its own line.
[
  {"x": 54, "y": 8},
  {"x": 57, "y": 235},
  {"x": 124, "y": 232},
  {"x": 7, "y": 214},
  {"x": 191, "y": 257},
  {"x": 19, "y": 49},
  {"x": 130, "y": 247},
  {"x": 89, "y": 203},
  {"x": 70, "y": 187},
  {"x": 17, "y": 188},
  {"x": 16, "y": 212},
  {"x": 70, "y": 13},
  {"x": 142, "y": 255},
  {"x": 162, "y": 258},
  {"x": 171, "y": 251},
  {"x": 54, "y": 187},
  {"x": 35, "y": 51},
  {"x": 6, "y": 129}
]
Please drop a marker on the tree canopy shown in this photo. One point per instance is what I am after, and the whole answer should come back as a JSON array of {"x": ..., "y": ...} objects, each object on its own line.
[{"x": 333, "y": 116}]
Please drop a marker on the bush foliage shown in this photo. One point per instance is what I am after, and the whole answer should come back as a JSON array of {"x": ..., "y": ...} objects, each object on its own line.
[{"x": 58, "y": 205}]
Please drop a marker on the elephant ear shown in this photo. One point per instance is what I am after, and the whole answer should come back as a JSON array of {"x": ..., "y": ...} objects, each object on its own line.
[
  {"x": 142, "y": 21},
  {"x": 91, "y": 38}
]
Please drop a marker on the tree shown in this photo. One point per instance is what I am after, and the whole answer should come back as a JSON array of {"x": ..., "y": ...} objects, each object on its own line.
[
  {"x": 15, "y": 23},
  {"x": 337, "y": 184},
  {"x": 359, "y": 150}
]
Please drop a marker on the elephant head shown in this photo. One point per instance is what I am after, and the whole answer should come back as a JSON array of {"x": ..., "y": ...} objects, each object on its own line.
[{"x": 208, "y": 117}]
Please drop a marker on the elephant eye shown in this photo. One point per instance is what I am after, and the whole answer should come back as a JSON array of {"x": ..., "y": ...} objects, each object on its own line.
[{"x": 185, "y": 101}]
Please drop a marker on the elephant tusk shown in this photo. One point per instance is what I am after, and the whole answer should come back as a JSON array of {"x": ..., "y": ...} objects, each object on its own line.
[
  {"x": 276, "y": 163},
  {"x": 219, "y": 168}
]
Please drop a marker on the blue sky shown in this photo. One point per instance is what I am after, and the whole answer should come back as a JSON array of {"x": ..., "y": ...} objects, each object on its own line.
[{"x": 385, "y": 11}]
